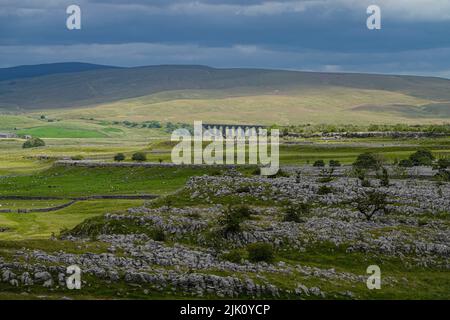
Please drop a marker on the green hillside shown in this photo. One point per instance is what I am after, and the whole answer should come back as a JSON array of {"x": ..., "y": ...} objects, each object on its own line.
[
  {"x": 335, "y": 105},
  {"x": 187, "y": 93}
]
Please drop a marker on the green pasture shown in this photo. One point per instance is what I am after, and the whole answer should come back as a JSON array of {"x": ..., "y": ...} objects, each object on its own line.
[
  {"x": 66, "y": 182},
  {"x": 30, "y": 204},
  {"x": 41, "y": 225}
]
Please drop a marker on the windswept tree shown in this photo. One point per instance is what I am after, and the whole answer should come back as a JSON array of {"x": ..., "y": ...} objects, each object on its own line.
[
  {"x": 368, "y": 161},
  {"x": 371, "y": 203}
]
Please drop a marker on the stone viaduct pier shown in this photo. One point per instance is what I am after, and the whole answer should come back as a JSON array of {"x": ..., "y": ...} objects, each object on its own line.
[{"x": 233, "y": 130}]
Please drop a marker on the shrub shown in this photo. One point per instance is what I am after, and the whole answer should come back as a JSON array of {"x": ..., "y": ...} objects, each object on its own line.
[
  {"x": 422, "y": 158},
  {"x": 215, "y": 173},
  {"x": 298, "y": 177},
  {"x": 319, "y": 163},
  {"x": 294, "y": 212},
  {"x": 361, "y": 175},
  {"x": 167, "y": 203},
  {"x": 119, "y": 157},
  {"x": 324, "y": 190},
  {"x": 422, "y": 222},
  {"x": 139, "y": 156},
  {"x": 77, "y": 158},
  {"x": 232, "y": 219},
  {"x": 443, "y": 163},
  {"x": 234, "y": 256},
  {"x": 443, "y": 175},
  {"x": 383, "y": 177},
  {"x": 33, "y": 143},
  {"x": 258, "y": 252},
  {"x": 256, "y": 172},
  {"x": 326, "y": 175},
  {"x": 243, "y": 189},
  {"x": 243, "y": 210},
  {"x": 158, "y": 235},
  {"x": 279, "y": 174},
  {"x": 406, "y": 163},
  {"x": 335, "y": 163},
  {"x": 368, "y": 161},
  {"x": 365, "y": 183}
]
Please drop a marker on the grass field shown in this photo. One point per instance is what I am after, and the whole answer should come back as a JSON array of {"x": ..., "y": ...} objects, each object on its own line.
[
  {"x": 283, "y": 108},
  {"x": 69, "y": 182},
  {"x": 30, "y": 204},
  {"x": 42, "y": 225},
  {"x": 64, "y": 183}
]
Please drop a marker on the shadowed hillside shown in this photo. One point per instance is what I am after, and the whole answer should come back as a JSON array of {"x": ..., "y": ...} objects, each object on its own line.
[{"x": 47, "y": 69}]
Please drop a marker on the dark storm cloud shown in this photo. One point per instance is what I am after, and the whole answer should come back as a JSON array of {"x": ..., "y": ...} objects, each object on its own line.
[{"x": 297, "y": 34}]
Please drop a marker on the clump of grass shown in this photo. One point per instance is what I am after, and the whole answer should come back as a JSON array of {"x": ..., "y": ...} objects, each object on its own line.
[
  {"x": 323, "y": 190},
  {"x": 77, "y": 158},
  {"x": 232, "y": 219},
  {"x": 158, "y": 234},
  {"x": 335, "y": 163},
  {"x": 256, "y": 172},
  {"x": 279, "y": 174},
  {"x": 260, "y": 252},
  {"x": 295, "y": 212},
  {"x": 319, "y": 163},
  {"x": 243, "y": 189},
  {"x": 235, "y": 256}
]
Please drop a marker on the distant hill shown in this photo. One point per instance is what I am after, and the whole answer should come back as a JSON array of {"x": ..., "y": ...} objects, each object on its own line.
[
  {"x": 39, "y": 70},
  {"x": 75, "y": 85}
]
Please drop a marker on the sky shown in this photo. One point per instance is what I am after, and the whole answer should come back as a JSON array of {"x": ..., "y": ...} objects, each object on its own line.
[{"x": 313, "y": 35}]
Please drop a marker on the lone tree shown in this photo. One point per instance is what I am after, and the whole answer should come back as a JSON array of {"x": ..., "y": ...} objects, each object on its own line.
[
  {"x": 33, "y": 143},
  {"x": 119, "y": 157},
  {"x": 368, "y": 160},
  {"x": 371, "y": 203},
  {"x": 139, "y": 156},
  {"x": 422, "y": 158}
]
